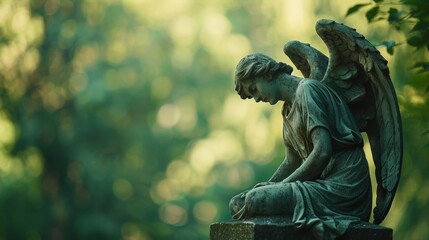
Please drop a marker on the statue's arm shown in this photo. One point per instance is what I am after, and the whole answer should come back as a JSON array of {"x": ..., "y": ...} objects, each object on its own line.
[
  {"x": 319, "y": 157},
  {"x": 290, "y": 163}
]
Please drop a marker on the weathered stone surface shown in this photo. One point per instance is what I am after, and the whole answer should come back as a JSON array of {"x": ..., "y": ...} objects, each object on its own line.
[
  {"x": 278, "y": 228},
  {"x": 323, "y": 115}
]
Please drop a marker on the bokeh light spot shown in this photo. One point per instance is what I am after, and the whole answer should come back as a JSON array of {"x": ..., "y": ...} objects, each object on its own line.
[
  {"x": 69, "y": 29},
  {"x": 205, "y": 211},
  {"x": 188, "y": 116},
  {"x": 168, "y": 115},
  {"x": 173, "y": 214},
  {"x": 7, "y": 131},
  {"x": 202, "y": 158},
  {"x": 123, "y": 189},
  {"x": 131, "y": 231},
  {"x": 116, "y": 52},
  {"x": 34, "y": 162},
  {"x": 167, "y": 190}
]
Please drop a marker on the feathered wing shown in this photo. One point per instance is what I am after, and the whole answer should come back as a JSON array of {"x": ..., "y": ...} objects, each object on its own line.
[
  {"x": 357, "y": 71},
  {"x": 308, "y": 60}
]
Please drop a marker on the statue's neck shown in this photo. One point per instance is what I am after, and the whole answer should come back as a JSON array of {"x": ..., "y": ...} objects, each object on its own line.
[{"x": 289, "y": 84}]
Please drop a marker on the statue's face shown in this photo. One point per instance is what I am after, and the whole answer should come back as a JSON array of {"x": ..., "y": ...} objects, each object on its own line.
[{"x": 263, "y": 90}]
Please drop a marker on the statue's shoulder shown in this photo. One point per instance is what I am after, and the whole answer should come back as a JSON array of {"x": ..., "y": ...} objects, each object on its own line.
[{"x": 308, "y": 85}]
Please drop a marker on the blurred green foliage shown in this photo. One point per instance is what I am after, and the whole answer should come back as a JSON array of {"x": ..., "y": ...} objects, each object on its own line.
[{"x": 118, "y": 118}]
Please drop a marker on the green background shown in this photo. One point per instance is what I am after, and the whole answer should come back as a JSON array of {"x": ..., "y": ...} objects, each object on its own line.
[{"x": 119, "y": 120}]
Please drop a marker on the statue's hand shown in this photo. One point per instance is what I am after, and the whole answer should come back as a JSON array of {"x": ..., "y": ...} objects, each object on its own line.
[{"x": 261, "y": 184}]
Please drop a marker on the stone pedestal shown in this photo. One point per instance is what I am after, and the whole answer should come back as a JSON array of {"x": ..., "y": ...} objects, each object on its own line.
[{"x": 277, "y": 228}]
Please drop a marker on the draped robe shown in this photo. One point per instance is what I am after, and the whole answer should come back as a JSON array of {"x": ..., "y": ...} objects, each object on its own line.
[{"x": 343, "y": 193}]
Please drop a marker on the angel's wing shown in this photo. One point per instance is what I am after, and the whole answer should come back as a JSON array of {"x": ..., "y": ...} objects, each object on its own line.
[
  {"x": 307, "y": 59},
  {"x": 357, "y": 70}
]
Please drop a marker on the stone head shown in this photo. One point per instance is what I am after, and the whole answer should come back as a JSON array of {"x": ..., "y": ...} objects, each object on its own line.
[{"x": 256, "y": 67}]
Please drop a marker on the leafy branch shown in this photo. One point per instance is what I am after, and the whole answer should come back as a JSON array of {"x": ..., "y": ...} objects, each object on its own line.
[{"x": 399, "y": 14}]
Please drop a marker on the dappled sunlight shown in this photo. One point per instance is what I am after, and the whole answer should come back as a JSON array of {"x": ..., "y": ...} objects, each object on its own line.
[
  {"x": 260, "y": 131},
  {"x": 230, "y": 148},
  {"x": 259, "y": 137},
  {"x": 234, "y": 47},
  {"x": 202, "y": 156},
  {"x": 166, "y": 190},
  {"x": 8, "y": 131},
  {"x": 236, "y": 176},
  {"x": 33, "y": 162},
  {"x": 119, "y": 118},
  {"x": 10, "y": 167},
  {"x": 132, "y": 231},
  {"x": 30, "y": 60},
  {"x": 27, "y": 31},
  {"x": 168, "y": 8},
  {"x": 85, "y": 56},
  {"x": 183, "y": 32},
  {"x": 116, "y": 52},
  {"x": 294, "y": 12},
  {"x": 94, "y": 11},
  {"x": 123, "y": 189},
  {"x": 205, "y": 211},
  {"x": 234, "y": 112},
  {"x": 412, "y": 96},
  {"x": 215, "y": 27},
  {"x": 252, "y": 136},
  {"x": 188, "y": 116},
  {"x": 173, "y": 214},
  {"x": 168, "y": 115},
  {"x": 69, "y": 29},
  {"x": 216, "y": 37},
  {"x": 27, "y": 163},
  {"x": 181, "y": 171},
  {"x": 9, "y": 56},
  {"x": 53, "y": 97}
]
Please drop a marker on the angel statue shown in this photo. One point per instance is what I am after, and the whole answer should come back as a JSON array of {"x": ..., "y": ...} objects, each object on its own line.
[{"x": 323, "y": 183}]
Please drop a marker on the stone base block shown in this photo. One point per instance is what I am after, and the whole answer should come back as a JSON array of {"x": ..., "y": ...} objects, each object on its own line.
[{"x": 278, "y": 228}]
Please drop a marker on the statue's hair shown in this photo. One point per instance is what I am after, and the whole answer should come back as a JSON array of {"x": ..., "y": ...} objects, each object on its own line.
[{"x": 257, "y": 65}]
